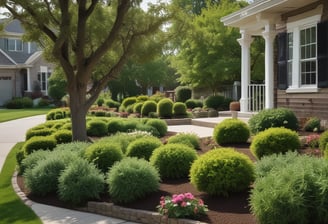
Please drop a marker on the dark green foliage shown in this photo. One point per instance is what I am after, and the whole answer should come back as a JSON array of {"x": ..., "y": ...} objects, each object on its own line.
[
  {"x": 231, "y": 131},
  {"x": 32, "y": 160},
  {"x": 274, "y": 140},
  {"x": 323, "y": 140},
  {"x": 173, "y": 161},
  {"x": 19, "y": 102},
  {"x": 103, "y": 155},
  {"x": 132, "y": 179},
  {"x": 115, "y": 125},
  {"x": 313, "y": 124},
  {"x": 147, "y": 107},
  {"x": 290, "y": 188},
  {"x": 100, "y": 101},
  {"x": 160, "y": 125},
  {"x": 63, "y": 136},
  {"x": 38, "y": 132},
  {"x": 44, "y": 102},
  {"x": 222, "y": 171},
  {"x": 183, "y": 93},
  {"x": 97, "y": 128},
  {"x": 100, "y": 113},
  {"x": 325, "y": 152},
  {"x": 39, "y": 143},
  {"x": 57, "y": 88},
  {"x": 56, "y": 114},
  {"x": 165, "y": 108},
  {"x": 20, "y": 156},
  {"x": 143, "y": 148},
  {"x": 189, "y": 139},
  {"x": 112, "y": 103},
  {"x": 129, "y": 101},
  {"x": 79, "y": 182},
  {"x": 148, "y": 128},
  {"x": 137, "y": 107},
  {"x": 192, "y": 103},
  {"x": 279, "y": 117},
  {"x": 214, "y": 102},
  {"x": 179, "y": 109}
]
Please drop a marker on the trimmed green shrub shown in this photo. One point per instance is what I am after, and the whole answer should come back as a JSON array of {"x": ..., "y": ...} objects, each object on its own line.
[
  {"x": 97, "y": 128},
  {"x": 323, "y": 140},
  {"x": 179, "y": 109},
  {"x": 32, "y": 160},
  {"x": 129, "y": 101},
  {"x": 67, "y": 126},
  {"x": 143, "y": 148},
  {"x": 313, "y": 124},
  {"x": 147, "y": 107},
  {"x": 19, "y": 102},
  {"x": 63, "y": 136},
  {"x": 142, "y": 98},
  {"x": 189, "y": 139},
  {"x": 115, "y": 125},
  {"x": 173, "y": 161},
  {"x": 325, "y": 152},
  {"x": 157, "y": 96},
  {"x": 193, "y": 103},
  {"x": 160, "y": 125},
  {"x": 274, "y": 140},
  {"x": 79, "y": 182},
  {"x": 100, "y": 102},
  {"x": 100, "y": 113},
  {"x": 268, "y": 118},
  {"x": 137, "y": 107},
  {"x": 38, "y": 132},
  {"x": 112, "y": 103},
  {"x": 132, "y": 179},
  {"x": 148, "y": 128},
  {"x": 39, "y": 143},
  {"x": 231, "y": 131},
  {"x": 165, "y": 108},
  {"x": 215, "y": 102},
  {"x": 103, "y": 155},
  {"x": 129, "y": 125},
  {"x": 56, "y": 114},
  {"x": 292, "y": 189},
  {"x": 182, "y": 93},
  {"x": 75, "y": 147},
  {"x": 222, "y": 171}
]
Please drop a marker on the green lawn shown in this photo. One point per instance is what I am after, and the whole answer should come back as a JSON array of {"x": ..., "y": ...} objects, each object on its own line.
[
  {"x": 13, "y": 210},
  {"x": 12, "y": 114}
]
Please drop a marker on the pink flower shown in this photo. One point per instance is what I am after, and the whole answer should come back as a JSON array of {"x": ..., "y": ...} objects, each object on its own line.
[
  {"x": 184, "y": 204},
  {"x": 189, "y": 196}
]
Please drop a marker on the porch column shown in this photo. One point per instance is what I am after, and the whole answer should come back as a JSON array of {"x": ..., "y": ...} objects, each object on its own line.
[
  {"x": 245, "y": 43},
  {"x": 269, "y": 35},
  {"x": 28, "y": 74}
]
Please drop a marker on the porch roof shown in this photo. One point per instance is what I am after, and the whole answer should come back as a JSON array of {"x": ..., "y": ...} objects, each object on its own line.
[{"x": 254, "y": 16}]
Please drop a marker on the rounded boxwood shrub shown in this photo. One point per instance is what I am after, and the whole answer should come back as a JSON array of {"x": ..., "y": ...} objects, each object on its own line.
[
  {"x": 293, "y": 190},
  {"x": 182, "y": 93},
  {"x": 56, "y": 114},
  {"x": 103, "y": 155},
  {"x": 165, "y": 108},
  {"x": 179, "y": 109},
  {"x": 39, "y": 143},
  {"x": 112, "y": 103},
  {"x": 313, "y": 124},
  {"x": 115, "y": 125},
  {"x": 148, "y": 128},
  {"x": 137, "y": 107},
  {"x": 323, "y": 140},
  {"x": 38, "y": 132},
  {"x": 160, "y": 125},
  {"x": 189, "y": 139},
  {"x": 63, "y": 136},
  {"x": 222, "y": 171},
  {"x": 274, "y": 140},
  {"x": 142, "y": 98},
  {"x": 231, "y": 131},
  {"x": 173, "y": 161},
  {"x": 132, "y": 179},
  {"x": 129, "y": 125},
  {"x": 268, "y": 118},
  {"x": 143, "y": 148},
  {"x": 19, "y": 102},
  {"x": 79, "y": 182},
  {"x": 97, "y": 128},
  {"x": 193, "y": 103},
  {"x": 129, "y": 101},
  {"x": 215, "y": 102},
  {"x": 148, "y": 107}
]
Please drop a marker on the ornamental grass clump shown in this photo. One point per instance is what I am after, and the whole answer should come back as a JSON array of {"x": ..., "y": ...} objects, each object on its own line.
[
  {"x": 222, "y": 171},
  {"x": 323, "y": 140},
  {"x": 182, "y": 206}
]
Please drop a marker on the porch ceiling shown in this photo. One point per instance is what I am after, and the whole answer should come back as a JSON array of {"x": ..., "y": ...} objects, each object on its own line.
[{"x": 256, "y": 15}]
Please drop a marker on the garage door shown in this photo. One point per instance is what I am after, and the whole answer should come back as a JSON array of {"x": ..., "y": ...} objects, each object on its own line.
[{"x": 6, "y": 89}]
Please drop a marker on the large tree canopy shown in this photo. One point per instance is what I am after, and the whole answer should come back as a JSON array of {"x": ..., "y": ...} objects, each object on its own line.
[{"x": 90, "y": 39}]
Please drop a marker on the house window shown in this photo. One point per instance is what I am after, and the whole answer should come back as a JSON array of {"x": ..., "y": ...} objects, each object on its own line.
[
  {"x": 15, "y": 45},
  {"x": 302, "y": 69},
  {"x": 43, "y": 80}
]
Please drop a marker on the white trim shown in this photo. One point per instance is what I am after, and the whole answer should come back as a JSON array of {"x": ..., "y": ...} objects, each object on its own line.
[
  {"x": 304, "y": 23},
  {"x": 302, "y": 90},
  {"x": 10, "y": 59}
]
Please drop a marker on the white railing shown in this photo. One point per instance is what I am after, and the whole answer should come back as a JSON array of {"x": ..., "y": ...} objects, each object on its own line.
[{"x": 256, "y": 97}]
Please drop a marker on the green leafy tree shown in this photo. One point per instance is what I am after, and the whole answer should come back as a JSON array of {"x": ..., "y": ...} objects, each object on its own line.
[
  {"x": 57, "y": 85},
  {"x": 90, "y": 39}
]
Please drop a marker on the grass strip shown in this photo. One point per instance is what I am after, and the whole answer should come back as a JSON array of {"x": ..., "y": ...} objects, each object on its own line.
[
  {"x": 12, "y": 114},
  {"x": 13, "y": 210}
]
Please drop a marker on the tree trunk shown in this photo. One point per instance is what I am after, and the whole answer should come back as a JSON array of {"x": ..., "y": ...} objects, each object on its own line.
[{"x": 78, "y": 115}]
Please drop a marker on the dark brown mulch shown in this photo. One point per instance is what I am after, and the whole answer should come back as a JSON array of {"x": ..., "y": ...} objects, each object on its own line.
[{"x": 224, "y": 210}]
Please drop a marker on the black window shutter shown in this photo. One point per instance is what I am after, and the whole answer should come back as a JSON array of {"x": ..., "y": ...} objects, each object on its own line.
[
  {"x": 322, "y": 50},
  {"x": 282, "y": 61}
]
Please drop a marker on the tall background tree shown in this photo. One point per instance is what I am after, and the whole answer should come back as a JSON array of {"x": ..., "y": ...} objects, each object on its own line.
[{"x": 83, "y": 35}]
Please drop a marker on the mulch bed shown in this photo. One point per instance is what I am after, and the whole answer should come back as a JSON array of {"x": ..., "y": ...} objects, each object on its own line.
[{"x": 224, "y": 210}]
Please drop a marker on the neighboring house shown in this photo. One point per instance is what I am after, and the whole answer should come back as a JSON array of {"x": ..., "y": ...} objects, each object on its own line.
[
  {"x": 22, "y": 67},
  {"x": 296, "y": 54}
]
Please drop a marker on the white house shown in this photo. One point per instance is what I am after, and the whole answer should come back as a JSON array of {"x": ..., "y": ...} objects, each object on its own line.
[{"x": 296, "y": 54}]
